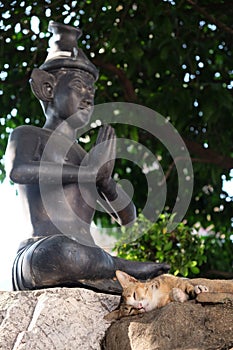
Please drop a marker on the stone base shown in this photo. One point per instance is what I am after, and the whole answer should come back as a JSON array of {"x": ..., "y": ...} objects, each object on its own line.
[
  {"x": 187, "y": 326},
  {"x": 72, "y": 319},
  {"x": 56, "y": 318}
]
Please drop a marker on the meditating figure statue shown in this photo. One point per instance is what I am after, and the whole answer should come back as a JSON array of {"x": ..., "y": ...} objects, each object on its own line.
[{"x": 59, "y": 183}]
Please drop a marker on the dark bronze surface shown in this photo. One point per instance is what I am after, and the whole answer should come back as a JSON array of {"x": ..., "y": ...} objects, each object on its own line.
[{"x": 53, "y": 171}]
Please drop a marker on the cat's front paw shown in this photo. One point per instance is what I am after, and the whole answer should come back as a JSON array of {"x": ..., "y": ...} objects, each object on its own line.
[
  {"x": 199, "y": 288},
  {"x": 179, "y": 295}
]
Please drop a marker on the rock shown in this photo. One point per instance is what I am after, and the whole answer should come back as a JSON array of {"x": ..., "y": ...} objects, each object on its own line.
[
  {"x": 72, "y": 319},
  {"x": 56, "y": 318},
  {"x": 215, "y": 298},
  {"x": 177, "y": 326}
]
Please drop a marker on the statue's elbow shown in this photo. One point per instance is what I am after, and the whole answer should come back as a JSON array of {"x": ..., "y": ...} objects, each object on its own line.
[
  {"x": 128, "y": 215},
  {"x": 16, "y": 175}
]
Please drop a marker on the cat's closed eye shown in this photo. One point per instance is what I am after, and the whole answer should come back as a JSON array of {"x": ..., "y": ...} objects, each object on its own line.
[{"x": 134, "y": 295}]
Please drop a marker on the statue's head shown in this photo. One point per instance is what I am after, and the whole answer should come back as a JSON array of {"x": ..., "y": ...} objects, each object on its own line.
[{"x": 64, "y": 83}]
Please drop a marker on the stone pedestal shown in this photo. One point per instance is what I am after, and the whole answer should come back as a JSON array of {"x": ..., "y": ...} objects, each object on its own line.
[
  {"x": 72, "y": 319},
  {"x": 187, "y": 326},
  {"x": 56, "y": 318}
]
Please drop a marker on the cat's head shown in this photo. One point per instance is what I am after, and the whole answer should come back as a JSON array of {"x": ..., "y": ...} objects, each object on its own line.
[{"x": 140, "y": 295}]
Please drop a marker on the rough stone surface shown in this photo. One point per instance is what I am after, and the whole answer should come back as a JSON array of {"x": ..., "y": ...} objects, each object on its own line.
[
  {"x": 216, "y": 298},
  {"x": 56, "y": 318},
  {"x": 187, "y": 326},
  {"x": 72, "y": 318}
]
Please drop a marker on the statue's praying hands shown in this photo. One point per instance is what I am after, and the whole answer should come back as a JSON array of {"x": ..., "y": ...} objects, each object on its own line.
[{"x": 102, "y": 156}]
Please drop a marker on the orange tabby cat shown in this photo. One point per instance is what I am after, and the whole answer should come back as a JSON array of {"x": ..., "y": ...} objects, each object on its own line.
[{"x": 138, "y": 297}]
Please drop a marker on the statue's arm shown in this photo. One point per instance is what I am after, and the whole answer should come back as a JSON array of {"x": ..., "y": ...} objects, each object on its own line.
[
  {"x": 23, "y": 167},
  {"x": 117, "y": 201}
]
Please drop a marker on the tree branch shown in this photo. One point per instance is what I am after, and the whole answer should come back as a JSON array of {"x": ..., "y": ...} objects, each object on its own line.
[
  {"x": 129, "y": 93},
  {"x": 209, "y": 156},
  {"x": 213, "y": 20},
  {"x": 194, "y": 160}
]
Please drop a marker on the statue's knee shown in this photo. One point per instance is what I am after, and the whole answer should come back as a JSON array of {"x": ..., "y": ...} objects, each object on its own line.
[
  {"x": 46, "y": 262},
  {"x": 59, "y": 260}
]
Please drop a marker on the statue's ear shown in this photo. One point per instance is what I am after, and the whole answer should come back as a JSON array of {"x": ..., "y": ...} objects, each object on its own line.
[{"x": 42, "y": 84}]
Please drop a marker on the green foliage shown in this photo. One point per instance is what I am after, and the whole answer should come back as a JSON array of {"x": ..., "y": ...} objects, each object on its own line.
[
  {"x": 219, "y": 253},
  {"x": 184, "y": 249},
  {"x": 172, "y": 56}
]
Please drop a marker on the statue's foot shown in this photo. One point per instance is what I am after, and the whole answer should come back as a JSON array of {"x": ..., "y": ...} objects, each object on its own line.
[
  {"x": 141, "y": 270},
  {"x": 59, "y": 261},
  {"x": 102, "y": 285}
]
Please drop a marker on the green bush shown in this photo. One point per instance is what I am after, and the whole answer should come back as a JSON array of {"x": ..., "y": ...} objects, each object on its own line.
[
  {"x": 183, "y": 248},
  {"x": 219, "y": 254}
]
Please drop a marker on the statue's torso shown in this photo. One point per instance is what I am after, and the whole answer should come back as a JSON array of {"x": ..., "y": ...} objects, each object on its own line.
[{"x": 55, "y": 208}]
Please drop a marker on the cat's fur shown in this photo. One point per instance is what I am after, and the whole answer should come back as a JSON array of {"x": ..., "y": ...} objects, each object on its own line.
[{"x": 139, "y": 297}]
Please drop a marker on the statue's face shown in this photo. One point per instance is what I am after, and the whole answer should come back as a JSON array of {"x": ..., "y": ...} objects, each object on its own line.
[{"x": 74, "y": 97}]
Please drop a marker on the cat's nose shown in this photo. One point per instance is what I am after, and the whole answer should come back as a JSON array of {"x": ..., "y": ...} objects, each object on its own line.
[{"x": 139, "y": 305}]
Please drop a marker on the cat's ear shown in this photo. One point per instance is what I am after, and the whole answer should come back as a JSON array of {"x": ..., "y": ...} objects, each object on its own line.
[
  {"x": 124, "y": 279},
  {"x": 155, "y": 285}
]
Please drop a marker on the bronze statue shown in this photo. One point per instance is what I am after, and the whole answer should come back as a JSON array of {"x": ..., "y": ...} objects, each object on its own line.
[{"x": 61, "y": 250}]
